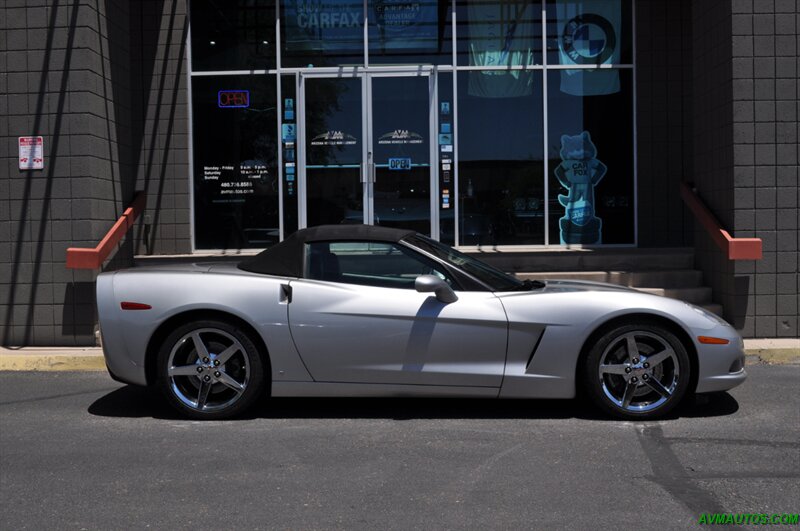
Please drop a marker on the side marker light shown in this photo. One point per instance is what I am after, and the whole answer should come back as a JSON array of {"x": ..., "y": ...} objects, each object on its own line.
[
  {"x": 713, "y": 340},
  {"x": 134, "y": 306}
]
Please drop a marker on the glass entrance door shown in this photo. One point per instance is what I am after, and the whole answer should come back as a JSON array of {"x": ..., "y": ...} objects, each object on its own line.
[
  {"x": 400, "y": 135},
  {"x": 332, "y": 151},
  {"x": 366, "y": 145}
]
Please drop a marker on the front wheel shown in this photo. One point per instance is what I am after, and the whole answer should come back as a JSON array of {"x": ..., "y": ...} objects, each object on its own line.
[
  {"x": 637, "y": 371},
  {"x": 210, "y": 370}
]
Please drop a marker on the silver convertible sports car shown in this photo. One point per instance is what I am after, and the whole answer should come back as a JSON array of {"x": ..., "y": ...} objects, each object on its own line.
[{"x": 356, "y": 310}]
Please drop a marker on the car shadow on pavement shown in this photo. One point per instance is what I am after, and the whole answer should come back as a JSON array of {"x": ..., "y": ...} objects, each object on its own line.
[{"x": 137, "y": 402}]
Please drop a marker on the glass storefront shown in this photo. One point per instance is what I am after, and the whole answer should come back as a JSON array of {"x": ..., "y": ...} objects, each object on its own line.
[
  {"x": 236, "y": 195},
  {"x": 488, "y": 123}
]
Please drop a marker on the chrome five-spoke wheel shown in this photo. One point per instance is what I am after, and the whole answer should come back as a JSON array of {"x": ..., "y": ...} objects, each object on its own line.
[
  {"x": 210, "y": 370},
  {"x": 637, "y": 371}
]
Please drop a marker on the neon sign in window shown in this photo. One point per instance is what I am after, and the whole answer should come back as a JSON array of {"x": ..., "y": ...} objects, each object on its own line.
[{"x": 233, "y": 99}]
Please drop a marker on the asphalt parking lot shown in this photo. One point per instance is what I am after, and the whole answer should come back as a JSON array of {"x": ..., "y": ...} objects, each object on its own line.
[{"x": 79, "y": 451}]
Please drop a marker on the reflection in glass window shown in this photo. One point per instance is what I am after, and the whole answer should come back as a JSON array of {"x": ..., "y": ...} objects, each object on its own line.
[
  {"x": 501, "y": 167},
  {"x": 235, "y": 162},
  {"x": 233, "y": 34},
  {"x": 322, "y": 33},
  {"x": 591, "y": 164},
  {"x": 499, "y": 33},
  {"x": 410, "y": 32}
]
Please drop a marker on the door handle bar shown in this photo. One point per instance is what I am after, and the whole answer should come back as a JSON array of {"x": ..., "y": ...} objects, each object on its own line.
[{"x": 285, "y": 296}]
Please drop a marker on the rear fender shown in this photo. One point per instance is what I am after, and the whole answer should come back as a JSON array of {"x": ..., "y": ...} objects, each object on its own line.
[{"x": 255, "y": 300}]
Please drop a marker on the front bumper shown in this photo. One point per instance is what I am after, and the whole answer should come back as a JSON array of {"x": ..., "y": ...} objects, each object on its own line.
[{"x": 721, "y": 367}]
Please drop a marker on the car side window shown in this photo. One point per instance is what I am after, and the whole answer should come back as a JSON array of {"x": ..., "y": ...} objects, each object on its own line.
[{"x": 379, "y": 264}]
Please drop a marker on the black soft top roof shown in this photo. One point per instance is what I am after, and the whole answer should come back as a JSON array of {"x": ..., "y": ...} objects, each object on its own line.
[{"x": 286, "y": 258}]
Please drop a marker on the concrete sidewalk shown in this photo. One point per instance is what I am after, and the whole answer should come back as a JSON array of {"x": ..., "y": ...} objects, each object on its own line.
[
  {"x": 771, "y": 351},
  {"x": 52, "y": 359}
]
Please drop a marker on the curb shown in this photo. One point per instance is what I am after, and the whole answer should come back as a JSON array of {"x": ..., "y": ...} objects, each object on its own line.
[
  {"x": 783, "y": 351},
  {"x": 52, "y": 359},
  {"x": 776, "y": 356},
  {"x": 765, "y": 351}
]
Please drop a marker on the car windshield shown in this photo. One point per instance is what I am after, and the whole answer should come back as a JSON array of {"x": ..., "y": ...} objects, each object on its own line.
[{"x": 494, "y": 278}]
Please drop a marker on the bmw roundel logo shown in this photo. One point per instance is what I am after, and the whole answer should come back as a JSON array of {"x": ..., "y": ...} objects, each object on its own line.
[{"x": 589, "y": 39}]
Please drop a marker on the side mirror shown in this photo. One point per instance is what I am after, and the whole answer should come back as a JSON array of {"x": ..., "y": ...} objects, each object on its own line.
[{"x": 433, "y": 284}]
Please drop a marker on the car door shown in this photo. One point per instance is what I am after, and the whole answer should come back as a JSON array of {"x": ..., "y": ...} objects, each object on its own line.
[{"x": 358, "y": 319}]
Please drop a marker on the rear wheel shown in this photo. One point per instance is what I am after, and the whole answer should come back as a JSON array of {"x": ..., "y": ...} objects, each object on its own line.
[
  {"x": 637, "y": 371},
  {"x": 210, "y": 370}
]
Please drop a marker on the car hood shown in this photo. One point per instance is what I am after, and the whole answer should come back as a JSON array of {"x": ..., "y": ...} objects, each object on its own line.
[
  {"x": 574, "y": 302},
  {"x": 561, "y": 286}
]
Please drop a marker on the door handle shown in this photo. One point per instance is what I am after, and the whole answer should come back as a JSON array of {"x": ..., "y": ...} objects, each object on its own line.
[
  {"x": 367, "y": 172},
  {"x": 286, "y": 294}
]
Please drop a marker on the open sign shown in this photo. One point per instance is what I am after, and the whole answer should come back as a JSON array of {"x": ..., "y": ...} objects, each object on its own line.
[
  {"x": 400, "y": 164},
  {"x": 233, "y": 99}
]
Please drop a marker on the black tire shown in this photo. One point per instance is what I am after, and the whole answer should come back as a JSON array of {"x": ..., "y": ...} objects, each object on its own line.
[
  {"x": 219, "y": 379},
  {"x": 645, "y": 390}
]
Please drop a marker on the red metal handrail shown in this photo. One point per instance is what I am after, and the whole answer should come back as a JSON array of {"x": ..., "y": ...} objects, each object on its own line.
[
  {"x": 83, "y": 258},
  {"x": 734, "y": 248}
]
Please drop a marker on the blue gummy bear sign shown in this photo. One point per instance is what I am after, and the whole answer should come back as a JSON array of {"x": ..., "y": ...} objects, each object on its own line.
[{"x": 579, "y": 172}]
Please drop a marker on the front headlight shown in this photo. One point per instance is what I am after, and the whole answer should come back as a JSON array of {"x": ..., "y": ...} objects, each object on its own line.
[{"x": 711, "y": 316}]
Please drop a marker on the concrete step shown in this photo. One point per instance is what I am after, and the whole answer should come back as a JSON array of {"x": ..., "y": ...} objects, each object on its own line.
[
  {"x": 602, "y": 259},
  {"x": 669, "y": 278},
  {"x": 699, "y": 295}
]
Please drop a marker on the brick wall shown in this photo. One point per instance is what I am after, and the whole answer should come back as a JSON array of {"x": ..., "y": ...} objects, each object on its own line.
[
  {"x": 162, "y": 167},
  {"x": 104, "y": 83},
  {"x": 663, "y": 120},
  {"x": 765, "y": 159},
  {"x": 62, "y": 78},
  {"x": 717, "y": 106},
  {"x": 712, "y": 139},
  {"x": 745, "y": 155}
]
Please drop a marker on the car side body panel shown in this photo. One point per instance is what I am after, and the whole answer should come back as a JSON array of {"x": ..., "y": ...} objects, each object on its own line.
[
  {"x": 256, "y": 299},
  {"x": 321, "y": 389},
  {"x": 363, "y": 334},
  {"x": 570, "y": 311},
  {"x": 546, "y": 330}
]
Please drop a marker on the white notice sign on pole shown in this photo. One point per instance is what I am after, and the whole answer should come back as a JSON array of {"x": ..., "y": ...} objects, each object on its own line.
[{"x": 31, "y": 153}]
